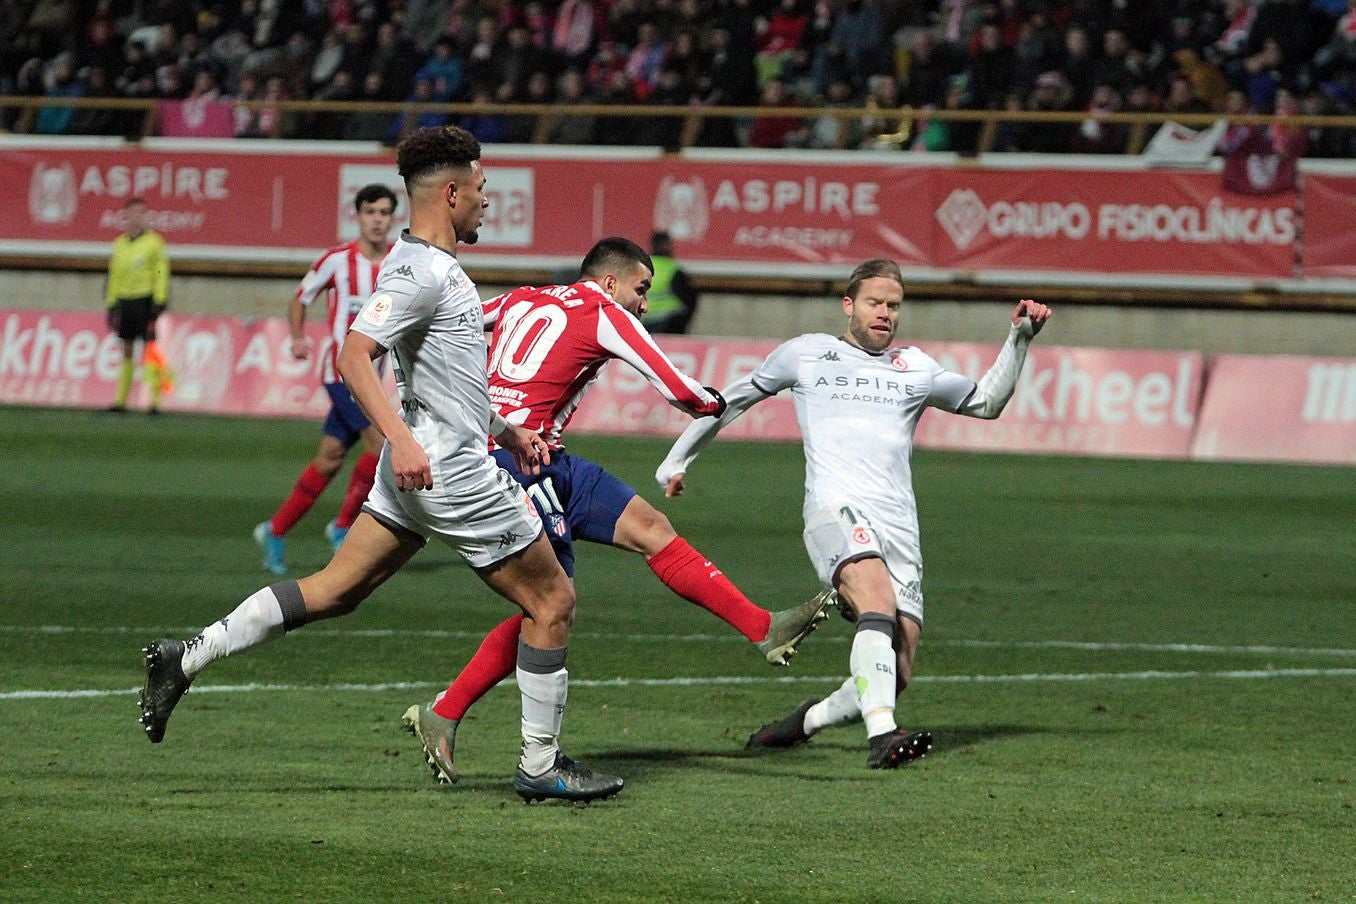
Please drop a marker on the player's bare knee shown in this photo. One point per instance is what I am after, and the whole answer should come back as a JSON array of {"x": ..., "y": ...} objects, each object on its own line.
[
  {"x": 556, "y": 605},
  {"x": 643, "y": 528},
  {"x": 661, "y": 530},
  {"x": 327, "y": 463}
]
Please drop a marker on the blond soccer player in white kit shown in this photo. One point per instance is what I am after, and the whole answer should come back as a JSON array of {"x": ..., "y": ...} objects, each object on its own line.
[
  {"x": 435, "y": 477},
  {"x": 858, "y": 402}
]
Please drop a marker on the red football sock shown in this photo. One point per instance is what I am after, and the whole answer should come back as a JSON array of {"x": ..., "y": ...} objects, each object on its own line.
[
  {"x": 493, "y": 662},
  {"x": 359, "y": 485},
  {"x": 310, "y": 485},
  {"x": 693, "y": 577}
]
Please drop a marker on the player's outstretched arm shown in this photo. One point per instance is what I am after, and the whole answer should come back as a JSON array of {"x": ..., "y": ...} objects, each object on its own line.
[
  {"x": 409, "y": 462},
  {"x": 623, "y": 336},
  {"x": 739, "y": 396},
  {"x": 995, "y": 388}
]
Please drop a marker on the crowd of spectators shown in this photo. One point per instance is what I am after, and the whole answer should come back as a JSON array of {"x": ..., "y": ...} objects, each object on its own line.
[{"x": 1177, "y": 56}]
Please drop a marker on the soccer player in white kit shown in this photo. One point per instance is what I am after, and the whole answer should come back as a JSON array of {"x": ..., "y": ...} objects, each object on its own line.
[
  {"x": 435, "y": 477},
  {"x": 857, "y": 402}
]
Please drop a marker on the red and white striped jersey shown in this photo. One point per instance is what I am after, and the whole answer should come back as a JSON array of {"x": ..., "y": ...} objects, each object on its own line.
[
  {"x": 347, "y": 279},
  {"x": 549, "y": 343}
]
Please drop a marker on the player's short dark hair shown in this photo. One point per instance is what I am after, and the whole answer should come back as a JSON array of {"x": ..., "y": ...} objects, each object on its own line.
[
  {"x": 876, "y": 267},
  {"x": 370, "y": 194},
  {"x": 611, "y": 255},
  {"x": 426, "y": 151}
]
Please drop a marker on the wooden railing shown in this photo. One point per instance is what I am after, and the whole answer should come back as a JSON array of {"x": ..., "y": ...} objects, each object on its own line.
[{"x": 891, "y": 127}]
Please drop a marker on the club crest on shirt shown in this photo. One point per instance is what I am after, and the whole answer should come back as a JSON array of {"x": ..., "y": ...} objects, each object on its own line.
[
  {"x": 378, "y": 310},
  {"x": 860, "y": 536},
  {"x": 897, "y": 362},
  {"x": 557, "y": 523}
]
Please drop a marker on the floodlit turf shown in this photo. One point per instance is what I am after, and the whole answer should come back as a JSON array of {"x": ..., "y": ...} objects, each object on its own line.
[{"x": 1218, "y": 767}]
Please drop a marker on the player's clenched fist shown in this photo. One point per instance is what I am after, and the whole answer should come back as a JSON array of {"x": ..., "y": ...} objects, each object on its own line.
[
  {"x": 410, "y": 465},
  {"x": 1034, "y": 311}
]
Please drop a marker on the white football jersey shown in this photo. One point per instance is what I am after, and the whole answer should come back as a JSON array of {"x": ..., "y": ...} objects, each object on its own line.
[
  {"x": 857, "y": 414},
  {"x": 427, "y": 314}
]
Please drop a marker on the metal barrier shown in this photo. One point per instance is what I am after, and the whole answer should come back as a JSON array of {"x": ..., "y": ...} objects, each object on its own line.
[{"x": 889, "y": 127}]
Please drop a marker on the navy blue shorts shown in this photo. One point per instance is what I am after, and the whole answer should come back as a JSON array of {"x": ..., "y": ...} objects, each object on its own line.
[
  {"x": 346, "y": 420},
  {"x": 578, "y": 500}
]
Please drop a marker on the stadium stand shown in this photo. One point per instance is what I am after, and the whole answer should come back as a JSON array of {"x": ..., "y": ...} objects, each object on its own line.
[{"x": 1094, "y": 56}]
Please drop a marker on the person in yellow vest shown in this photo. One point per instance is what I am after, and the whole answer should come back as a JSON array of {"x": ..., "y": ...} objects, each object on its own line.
[
  {"x": 137, "y": 293},
  {"x": 672, "y": 299}
]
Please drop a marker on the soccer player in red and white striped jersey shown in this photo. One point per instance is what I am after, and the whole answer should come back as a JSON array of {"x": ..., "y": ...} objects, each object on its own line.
[
  {"x": 344, "y": 276},
  {"x": 549, "y": 343}
]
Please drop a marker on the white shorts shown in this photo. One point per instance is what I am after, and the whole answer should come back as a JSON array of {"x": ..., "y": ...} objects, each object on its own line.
[
  {"x": 486, "y": 518},
  {"x": 836, "y": 536}
]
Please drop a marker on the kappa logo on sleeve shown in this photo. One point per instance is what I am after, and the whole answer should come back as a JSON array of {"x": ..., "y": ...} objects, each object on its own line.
[{"x": 378, "y": 310}]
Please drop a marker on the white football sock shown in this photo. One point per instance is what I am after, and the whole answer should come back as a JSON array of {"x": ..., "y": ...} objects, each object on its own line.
[
  {"x": 257, "y": 620},
  {"x": 873, "y": 672},
  {"x": 544, "y": 684},
  {"x": 837, "y": 708}
]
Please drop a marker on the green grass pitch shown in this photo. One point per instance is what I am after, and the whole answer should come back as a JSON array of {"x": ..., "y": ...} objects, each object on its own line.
[{"x": 1139, "y": 674}]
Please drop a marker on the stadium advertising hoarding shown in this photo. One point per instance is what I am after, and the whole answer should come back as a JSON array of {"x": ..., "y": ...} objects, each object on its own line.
[
  {"x": 729, "y": 213},
  {"x": 1082, "y": 401},
  {"x": 1329, "y": 225},
  {"x": 1279, "y": 408},
  {"x": 221, "y": 365},
  {"x": 1079, "y": 401},
  {"x": 1164, "y": 222}
]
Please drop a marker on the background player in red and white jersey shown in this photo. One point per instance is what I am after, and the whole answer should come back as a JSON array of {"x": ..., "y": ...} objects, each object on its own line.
[
  {"x": 344, "y": 276},
  {"x": 549, "y": 343}
]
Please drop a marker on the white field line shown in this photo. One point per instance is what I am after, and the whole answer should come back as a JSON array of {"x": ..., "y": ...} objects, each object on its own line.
[
  {"x": 715, "y": 681},
  {"x": 730, "y": 637}
]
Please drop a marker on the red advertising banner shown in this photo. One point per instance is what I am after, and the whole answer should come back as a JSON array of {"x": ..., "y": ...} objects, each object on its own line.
[
  {"x": 194, "y": 198},
  {"x": 1279, "y": 408},
  {"x": 762, "y": 211},
  {"x": 1079, "y": 401},
  {"x": 1329, "y": 225},
  {"x": 221, "y": 365},
  {"x": 1159, "y": 221},
  {"x": 737, "y": 211}
]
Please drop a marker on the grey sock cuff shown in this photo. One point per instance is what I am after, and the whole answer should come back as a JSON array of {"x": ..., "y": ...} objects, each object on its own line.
[
  {"x": 539, "y": 661},
  {"x": 876, "y": 621},
  {"x": 290, "y": 602}
]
